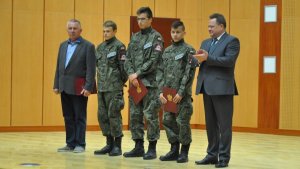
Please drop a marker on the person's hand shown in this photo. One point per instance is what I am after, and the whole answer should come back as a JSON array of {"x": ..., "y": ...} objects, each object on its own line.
[
  {"x": 85, "y": 93},
  {"x": 132, "y": 77},
  {"x": 135, "y": 83},
  {"x": 56, "y": 91},
  {"x": 162, "y": 98},
  {"x": 177, "y": 98},
  {"x": 201, "y": 55}
]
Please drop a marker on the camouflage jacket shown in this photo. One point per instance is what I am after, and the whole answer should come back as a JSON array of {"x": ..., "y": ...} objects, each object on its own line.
[
  {"x": 144, "y": 52},
  {"x": 175, "y": 70},
  {"x": 110, "y": 57}
]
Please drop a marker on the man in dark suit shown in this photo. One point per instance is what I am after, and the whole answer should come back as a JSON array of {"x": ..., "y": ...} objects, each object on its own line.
[
  {"x": 217, "y": 57},
  {"x": 74, "y": 80}
]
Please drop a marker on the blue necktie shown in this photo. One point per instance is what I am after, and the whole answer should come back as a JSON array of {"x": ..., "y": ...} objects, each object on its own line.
[{"x": 215, "y": 40}]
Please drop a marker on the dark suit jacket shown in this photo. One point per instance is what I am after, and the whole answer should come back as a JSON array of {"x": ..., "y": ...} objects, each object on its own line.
[
  {"x": 81, "y": 65},
  {"x": 217, "y": 72}
]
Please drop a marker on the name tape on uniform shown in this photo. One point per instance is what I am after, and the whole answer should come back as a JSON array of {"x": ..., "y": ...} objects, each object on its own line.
[
  {"x": 179, "y": 56},
  {"x": 147, "y": 45},
  {"x": 111, "y": 54}
]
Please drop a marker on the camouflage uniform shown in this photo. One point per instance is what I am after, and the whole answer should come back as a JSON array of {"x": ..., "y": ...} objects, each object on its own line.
[
  {"x": 111, "y": 78},
  {"x": 144, "y": 52},
  {"x": 175, "y": 71}
]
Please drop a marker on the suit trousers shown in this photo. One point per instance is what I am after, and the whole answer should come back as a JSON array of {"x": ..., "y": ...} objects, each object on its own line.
[
  {"x": 74, "y": 111},
  {"x": 218, "y": 118}
]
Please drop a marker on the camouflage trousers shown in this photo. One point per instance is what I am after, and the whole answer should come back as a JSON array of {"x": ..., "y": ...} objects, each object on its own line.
[
  {"x": 177, "y": 126},
  {"x": 110, "y": 105},
  {"x": 147, "y": 108}
]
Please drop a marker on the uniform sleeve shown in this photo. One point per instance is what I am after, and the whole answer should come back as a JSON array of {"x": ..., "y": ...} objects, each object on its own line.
[
  {"x": 230, "y": 55},
  {"x": 121, "y": 59},
  {"x": 128, "y": 65},
  {"x": 90, "y": 68},
  {"x": 187, "y": 73},
  {"x": 160, "y": 74},
  {"x": 151, "y": 64}
]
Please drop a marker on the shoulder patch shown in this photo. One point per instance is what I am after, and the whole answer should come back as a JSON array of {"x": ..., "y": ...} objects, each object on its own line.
[
  {"x": 158, "y": 47},
  {"x": 123, "y": 57}
]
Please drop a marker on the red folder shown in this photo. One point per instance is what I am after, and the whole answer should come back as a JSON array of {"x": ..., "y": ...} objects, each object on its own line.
[
  {"x": 200, "y": 51},
  {"x": 138, "y": 93},
  {"x": 79, "y": 84},
  {"x": 169, "y": 94}
]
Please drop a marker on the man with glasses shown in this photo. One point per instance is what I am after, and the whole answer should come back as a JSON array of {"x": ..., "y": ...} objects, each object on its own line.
[{"x": 144, "y": 52}]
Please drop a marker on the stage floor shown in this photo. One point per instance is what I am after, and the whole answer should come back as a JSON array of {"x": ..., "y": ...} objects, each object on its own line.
[{"x": 249, "y": 151}]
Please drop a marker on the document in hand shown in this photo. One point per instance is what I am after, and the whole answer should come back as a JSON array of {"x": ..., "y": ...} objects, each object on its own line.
[
  {"x": 79, "y": 84},
  {"x": 138, "y": 93},
  {"x": 169, "y": 94}
]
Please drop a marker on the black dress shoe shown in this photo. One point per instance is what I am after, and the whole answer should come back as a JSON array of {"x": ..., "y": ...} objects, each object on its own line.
[
  {"x": 207, "y": 161},
  {"x": 221, "y": 164}
]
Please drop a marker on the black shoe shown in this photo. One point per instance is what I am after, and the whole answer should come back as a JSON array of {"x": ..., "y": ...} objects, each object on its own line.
[
  {"x": 151, "y": 153},
  {"x": 116, "y": 150},
  {"x": 137, "y": 151},
  {"x": 106, "y": 149},
  {"x": 207, "y": 160},
  {"x": 222, "y": 164},
  {"x": 173, "y": 154},
  {"x": 183, "y": 156}
]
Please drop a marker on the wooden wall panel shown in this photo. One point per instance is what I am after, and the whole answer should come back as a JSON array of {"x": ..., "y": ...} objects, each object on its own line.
[
  {"x": 290, "y": 67},
  {"x": 90, "y": 14},
  {"x": 244, "y": 24},
  {"x": 269, "y": 84},
  {"x": 121, "y": 15},
  {"x": 5, "y": 56},
  {"x": 57, "y": 13},
  {"x": 136, "y": 4},
  {"x": 32, "y": 32},
  {"x": 188, "y": 13},
  {"x": 165, "y": 8},
  {"x": 27, "y": 70}
]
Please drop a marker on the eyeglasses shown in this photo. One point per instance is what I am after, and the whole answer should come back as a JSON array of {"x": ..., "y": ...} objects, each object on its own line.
[{"x": 141, "y": 19}]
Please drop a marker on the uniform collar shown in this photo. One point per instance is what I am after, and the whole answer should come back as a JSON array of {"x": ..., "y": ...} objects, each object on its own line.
[
  {"x": 147, "y": 30},
  {"x": 178, "y": 43},
  {"x": 110, "y": 40}
]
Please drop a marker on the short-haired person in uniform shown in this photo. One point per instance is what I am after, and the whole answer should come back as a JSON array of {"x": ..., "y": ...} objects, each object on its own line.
[
  {"x": 144, "y": 52},
  {"x": 217, "y": 84},
  {"x": 177, "y": 72},
  {"x": 111, "y": 78},
  {"x": 76, "y": 60}
]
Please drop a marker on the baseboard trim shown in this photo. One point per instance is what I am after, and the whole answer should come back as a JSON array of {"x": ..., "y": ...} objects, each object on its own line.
[
  {"x": 255, "y": 130},
  {"x": 126, "y": 127}
]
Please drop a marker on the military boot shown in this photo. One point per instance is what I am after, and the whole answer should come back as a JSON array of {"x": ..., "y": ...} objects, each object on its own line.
[
  {"x": 116, "y": 150},
  {"x": 151, "y": 153},
  {"x": 107, "y": 148},
  {"x": 137, "y": 151},
  {"x": 172, "y": 155},
  {"x": 183, "y": 156}
]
